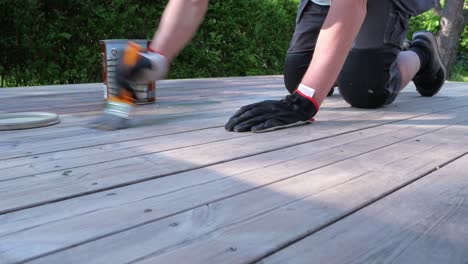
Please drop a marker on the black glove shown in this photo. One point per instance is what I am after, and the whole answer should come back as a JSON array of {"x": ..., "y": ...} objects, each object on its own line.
[{"x": 294, "y": 110}]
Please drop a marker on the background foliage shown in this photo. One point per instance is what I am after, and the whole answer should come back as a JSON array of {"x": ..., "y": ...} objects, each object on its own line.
[
  {"x": 49, "y": 42},
  {"x": 57, "y": 41}
]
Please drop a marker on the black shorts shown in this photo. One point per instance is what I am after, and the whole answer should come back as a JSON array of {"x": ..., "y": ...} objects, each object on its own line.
[{"x": 370, "y": 77}]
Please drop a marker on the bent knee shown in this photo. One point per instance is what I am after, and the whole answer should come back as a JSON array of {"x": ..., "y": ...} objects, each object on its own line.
[{"x": 366, "y": 80}]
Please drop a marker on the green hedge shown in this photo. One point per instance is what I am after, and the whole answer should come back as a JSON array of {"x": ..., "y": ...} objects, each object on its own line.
[
  {"x": 57, "y": 41},
  {"x": 52, "y": 42}
]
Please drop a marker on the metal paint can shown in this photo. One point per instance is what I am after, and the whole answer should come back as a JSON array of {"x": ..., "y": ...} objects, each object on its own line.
[{"x": 111, "y": 51}]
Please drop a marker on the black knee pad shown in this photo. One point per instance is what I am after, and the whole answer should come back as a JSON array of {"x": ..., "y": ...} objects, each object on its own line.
[
  {"x": 295, "y": 66},
  {"x": 370, "y": 78}
]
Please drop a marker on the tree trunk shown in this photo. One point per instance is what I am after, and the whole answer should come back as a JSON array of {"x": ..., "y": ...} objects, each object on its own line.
[{"x": 452, "y": 22}]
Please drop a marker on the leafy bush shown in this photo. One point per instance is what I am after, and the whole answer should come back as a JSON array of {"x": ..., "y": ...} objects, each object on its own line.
[
  {"x": 427, "y": 21},
  {"x": 460, "y": 71},
  {"x": 51, "y": 42}
]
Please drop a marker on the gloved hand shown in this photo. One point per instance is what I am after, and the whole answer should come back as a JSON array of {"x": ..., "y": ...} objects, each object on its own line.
[
  {"x": 135, "y": 66},
  {"x": 294, "y": 110},
  {"x": 139, "y": 66}
]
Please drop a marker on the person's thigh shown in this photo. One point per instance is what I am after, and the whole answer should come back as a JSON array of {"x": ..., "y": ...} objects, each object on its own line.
[
  {"x": 310, "y": 19},
  {"x": 370, "y": 77}
]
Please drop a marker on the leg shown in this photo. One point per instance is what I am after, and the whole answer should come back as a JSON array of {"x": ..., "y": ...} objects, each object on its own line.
[
  {"x": 295, "y": 66},
  {"x": 372, "y": 75},
  {"x": 422, "y": 64},
  {"x": 376, "y": 71},
  {"x": 408, "y": 65},
  {"x": 310, "y": 19},
  {"x": 370, "y": 78},
  {"x": 431, "y": 75}
]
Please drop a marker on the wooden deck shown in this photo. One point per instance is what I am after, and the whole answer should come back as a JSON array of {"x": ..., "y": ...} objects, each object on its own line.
[{"x": 357, "y": 186}]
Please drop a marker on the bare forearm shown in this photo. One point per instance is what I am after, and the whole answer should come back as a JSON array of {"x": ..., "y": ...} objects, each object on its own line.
[
  {"x": 334, "y": 42},
  {"x": 179, "y": 23}
]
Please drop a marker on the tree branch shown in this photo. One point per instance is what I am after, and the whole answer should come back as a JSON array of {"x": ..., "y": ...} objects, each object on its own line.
[{"x": 465, "y": 16}]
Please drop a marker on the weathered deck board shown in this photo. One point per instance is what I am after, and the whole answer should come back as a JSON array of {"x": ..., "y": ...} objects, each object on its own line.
[
  {"x": 168, "y": 107},
  {"x": 163, "y": 113},
  {"x": 177, "y": 184},
  {"x": 18, "y": 148},
  {"x": 282, "y": 211},
  {"x": 66, "y": 183},
  {"x": 105, "y": 141},
  {"x": 425, "y": 222},
  {"x": 61, "y": 101},
  {"x": 137, "y": 208},
  {"x": 270, "y": 230},
  {"x": 164, "y": 106},
  {"x": 357, "y": 139}
]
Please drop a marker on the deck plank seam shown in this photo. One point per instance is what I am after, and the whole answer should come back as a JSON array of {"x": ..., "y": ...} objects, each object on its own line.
[
  {"x": 208, "y": 164},
  {"x": 261, "y": 186},
  {"x": 358, "y": 208}
]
